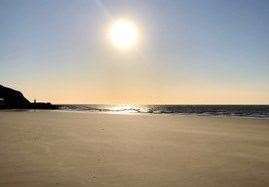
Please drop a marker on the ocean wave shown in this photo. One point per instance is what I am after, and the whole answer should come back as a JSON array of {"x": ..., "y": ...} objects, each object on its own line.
[{"x": 256, "y": 111}]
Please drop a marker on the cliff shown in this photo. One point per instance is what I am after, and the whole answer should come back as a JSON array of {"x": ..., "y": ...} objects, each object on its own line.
[{"x": 13, "y": 99}]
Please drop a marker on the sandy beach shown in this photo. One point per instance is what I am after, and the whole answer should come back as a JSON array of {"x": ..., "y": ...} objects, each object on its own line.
[{"x": 52, "y": 148}]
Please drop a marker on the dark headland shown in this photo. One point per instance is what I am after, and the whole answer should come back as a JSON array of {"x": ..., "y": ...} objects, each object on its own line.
[{"x": 13, "y": 99}]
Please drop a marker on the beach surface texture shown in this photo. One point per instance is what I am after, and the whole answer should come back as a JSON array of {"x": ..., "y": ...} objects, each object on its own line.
[{"x": 56, "y": 148}]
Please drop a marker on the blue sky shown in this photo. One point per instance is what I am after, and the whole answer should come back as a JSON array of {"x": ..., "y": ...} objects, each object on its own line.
[{"x": 210, "y": 51}]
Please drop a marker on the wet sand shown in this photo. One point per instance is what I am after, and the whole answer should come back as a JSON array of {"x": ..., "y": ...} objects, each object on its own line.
[{"x": 50, "y": 148}]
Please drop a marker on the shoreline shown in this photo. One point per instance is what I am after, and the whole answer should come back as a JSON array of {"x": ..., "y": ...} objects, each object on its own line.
[{"x": 137, "y": 113}]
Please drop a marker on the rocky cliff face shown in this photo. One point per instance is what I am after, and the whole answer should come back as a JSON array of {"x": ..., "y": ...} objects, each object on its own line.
[
  {"x": 10, "y": 98},
  {"x": 13, "y": 99}
]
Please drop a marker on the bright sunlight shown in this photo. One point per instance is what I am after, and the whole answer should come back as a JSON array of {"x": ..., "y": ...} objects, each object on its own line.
[{"x": 123, "y": 34}]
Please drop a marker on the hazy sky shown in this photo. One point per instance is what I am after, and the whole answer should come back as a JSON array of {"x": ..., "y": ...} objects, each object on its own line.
[{"x": 191, "y": 51}]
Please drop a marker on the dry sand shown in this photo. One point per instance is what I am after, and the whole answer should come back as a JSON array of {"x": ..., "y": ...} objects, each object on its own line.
[{"x": 50, "y": 148}]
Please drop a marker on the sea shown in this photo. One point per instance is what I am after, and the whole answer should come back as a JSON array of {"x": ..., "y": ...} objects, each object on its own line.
[{"x": 252, "y": 111}]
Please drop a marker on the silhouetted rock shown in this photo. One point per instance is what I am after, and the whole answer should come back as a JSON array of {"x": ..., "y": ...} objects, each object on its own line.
[
  {"x": 39, "y": 105},
  {"x": 13, "y": 99}
]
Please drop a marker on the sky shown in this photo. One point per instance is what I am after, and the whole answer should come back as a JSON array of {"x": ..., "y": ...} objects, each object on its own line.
[{"x": 189, "y": 52}]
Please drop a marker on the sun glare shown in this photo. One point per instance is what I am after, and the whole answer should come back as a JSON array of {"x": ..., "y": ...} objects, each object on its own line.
[{"x": 123, "y": 34}]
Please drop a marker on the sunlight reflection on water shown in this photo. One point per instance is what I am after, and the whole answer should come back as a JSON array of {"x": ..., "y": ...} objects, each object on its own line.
[{"x": 126, "y": 109}]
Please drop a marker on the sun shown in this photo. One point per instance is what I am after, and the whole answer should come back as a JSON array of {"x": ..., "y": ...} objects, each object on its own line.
[{"x": 123, "y": 34}]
